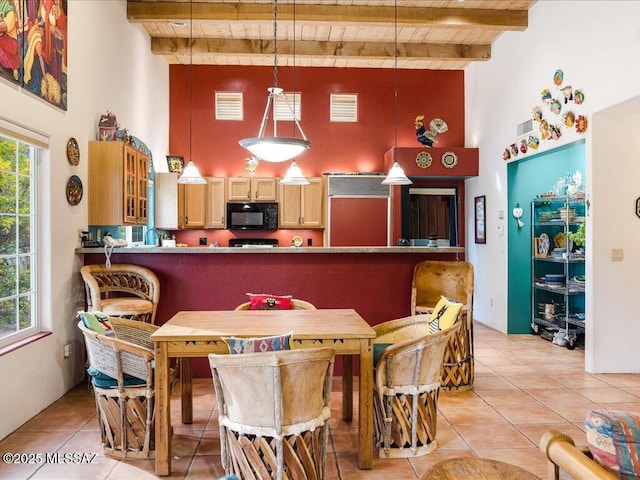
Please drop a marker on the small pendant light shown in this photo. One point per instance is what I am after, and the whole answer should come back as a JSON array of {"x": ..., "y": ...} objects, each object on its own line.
[
  {"x": 191, "y": 174},
  {"x": 396, "y": 175}
]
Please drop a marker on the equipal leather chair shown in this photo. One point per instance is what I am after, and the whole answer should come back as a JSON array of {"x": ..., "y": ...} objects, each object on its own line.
[
  {"x": 274, "y": 412},
  {"x": 454, "y": 280},
  {"x": 122, "y": 290},
  {"x": 123, "y": 383},
  {"x": 406, "y": 387}
]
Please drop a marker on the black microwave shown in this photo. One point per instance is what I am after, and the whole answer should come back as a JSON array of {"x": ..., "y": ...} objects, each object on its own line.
[{"x": 252, "y": 216}]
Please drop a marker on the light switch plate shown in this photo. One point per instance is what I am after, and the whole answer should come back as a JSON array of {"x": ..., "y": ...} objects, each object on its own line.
[{"x": 617, "y": 254}]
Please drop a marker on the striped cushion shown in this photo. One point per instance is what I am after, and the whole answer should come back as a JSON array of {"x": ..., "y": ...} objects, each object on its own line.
[
  {"x": 259, "y": 344},
  {"x": 614, "y": 441}
]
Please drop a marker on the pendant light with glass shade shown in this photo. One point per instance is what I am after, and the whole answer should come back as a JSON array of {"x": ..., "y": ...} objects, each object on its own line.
[
  {"x": 191, "y": 174},
  {"x": 294, "y": 175},
  {"x": 275, "y": 149},
  {"x": 396, "y": 175}
]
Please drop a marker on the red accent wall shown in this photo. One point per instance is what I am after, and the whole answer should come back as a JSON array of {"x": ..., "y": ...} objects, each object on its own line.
[{"x": 337, "y": 147}]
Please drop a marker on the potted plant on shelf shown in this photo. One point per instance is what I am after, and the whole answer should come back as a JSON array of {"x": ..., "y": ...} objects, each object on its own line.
[{"x": 578, "y": 237}]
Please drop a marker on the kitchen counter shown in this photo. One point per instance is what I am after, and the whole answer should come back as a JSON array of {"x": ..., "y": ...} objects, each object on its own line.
[
  {"x": 375, "y": 281},
  {"x": 286, "y": 249}
]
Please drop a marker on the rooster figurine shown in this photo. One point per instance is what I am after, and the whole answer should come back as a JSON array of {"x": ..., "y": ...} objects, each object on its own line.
[{"x": 429, "y": 137}]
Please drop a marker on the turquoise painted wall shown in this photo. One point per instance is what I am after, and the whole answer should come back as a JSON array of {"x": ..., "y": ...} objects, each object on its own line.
[{"x": 527, "y": 178}]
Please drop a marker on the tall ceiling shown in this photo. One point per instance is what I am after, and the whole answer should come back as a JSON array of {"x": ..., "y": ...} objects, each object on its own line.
[{"x": 428, "y": 34}]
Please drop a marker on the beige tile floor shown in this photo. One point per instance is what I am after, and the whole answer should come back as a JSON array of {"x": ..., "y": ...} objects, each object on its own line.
[{"x": 524, "y": 386}]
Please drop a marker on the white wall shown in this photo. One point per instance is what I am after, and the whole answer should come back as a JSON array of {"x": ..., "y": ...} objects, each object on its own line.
[
  {"x": 110, "y": 67},
  {"x": 596, "y": 44}
]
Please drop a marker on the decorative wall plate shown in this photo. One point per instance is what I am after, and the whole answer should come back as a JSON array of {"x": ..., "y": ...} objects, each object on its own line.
[
  {"x": 73, "y": 151},
  {"x": 558, "y": 76},
  {"x": 74, "y": 190},
  {"x": 581, "y": 124},
  {"x": 449, "y": 159},
  {"x": 424, "y": 159},
  {"x": 545, "y": 243}
]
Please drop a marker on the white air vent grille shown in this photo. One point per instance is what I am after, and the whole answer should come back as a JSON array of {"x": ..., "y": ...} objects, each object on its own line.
[
  {"x": 284, "y": 111},
  {"x": 525, "y": 128},
  {"x": 344, "y": 107},
  {"x": 357, "y": 186},
  {"x": 229, "y": 106}
]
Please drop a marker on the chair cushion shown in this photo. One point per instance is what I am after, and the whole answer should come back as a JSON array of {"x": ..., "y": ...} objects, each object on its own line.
[
  {"x": 102, "y": 380},
  {"x": 125, "y": 306},
  {"x": 444, "y": 314},
  {"x": 266, "y": 301},
  {"x": 613, "y": 438},
  {"x": 97, "y": 322},
  {"x": 259, "y": 344}
]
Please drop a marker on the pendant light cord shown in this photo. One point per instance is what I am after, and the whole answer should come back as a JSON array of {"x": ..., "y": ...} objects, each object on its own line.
[
  {"x": 293, "y": 125},
  {"x": 190, "y": 77},
  {"x": 395, "y": 73},
  {"x": 275, "y": 43}
]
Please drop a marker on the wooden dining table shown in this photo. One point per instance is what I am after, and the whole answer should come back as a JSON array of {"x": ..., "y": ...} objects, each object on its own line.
[{"x": 191, "y": 334}]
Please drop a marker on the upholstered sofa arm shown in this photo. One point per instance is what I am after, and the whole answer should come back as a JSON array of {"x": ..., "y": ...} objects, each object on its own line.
[{"x": 563, "y": 455}]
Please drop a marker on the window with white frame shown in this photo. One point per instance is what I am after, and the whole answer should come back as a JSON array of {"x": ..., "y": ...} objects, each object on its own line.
[{"x": 18, "y": 261}]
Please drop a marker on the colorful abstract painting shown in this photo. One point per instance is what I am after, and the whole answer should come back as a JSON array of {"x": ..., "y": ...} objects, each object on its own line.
[{"x": 33, "y": 47}]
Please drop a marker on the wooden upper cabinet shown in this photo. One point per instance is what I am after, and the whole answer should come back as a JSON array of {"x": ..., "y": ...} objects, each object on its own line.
[
  {"x": 192, "y": 206},
  {"x": 189, "y": 206},
  {"x": 216, "y": 202},
  {"x": 301, "y": 205},
  {"x": 244, "y": 189},
  {"x": 118, "y": 184}
]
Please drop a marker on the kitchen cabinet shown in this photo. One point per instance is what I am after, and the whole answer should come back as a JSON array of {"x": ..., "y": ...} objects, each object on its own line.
[
  {"x": 255, "y": 189},
  {"x": 179, "y": 206},
  {"x": 557, "y": 269},
  {"x": 216, "y": 202},
  {"x": 118, "y": 184},
  {"x": 192, "y": 205},
  {"x": 301, "y": 205}
]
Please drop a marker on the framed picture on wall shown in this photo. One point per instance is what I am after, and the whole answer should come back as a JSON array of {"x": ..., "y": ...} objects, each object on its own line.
[
  {"x": 480, "y": 210},
  {"x": 175, "y": 163}
]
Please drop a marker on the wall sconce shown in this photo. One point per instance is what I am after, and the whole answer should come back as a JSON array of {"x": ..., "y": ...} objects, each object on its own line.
[{"x": 517, "y": 213}]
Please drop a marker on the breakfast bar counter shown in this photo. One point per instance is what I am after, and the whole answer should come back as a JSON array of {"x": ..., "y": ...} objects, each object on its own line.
[
  {"x": 455, "y": 251},
  {"x": 375, "y": 281}
]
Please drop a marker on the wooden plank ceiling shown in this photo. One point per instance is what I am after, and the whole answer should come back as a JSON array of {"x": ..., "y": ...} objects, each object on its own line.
[{"x": 438, "y": 34}]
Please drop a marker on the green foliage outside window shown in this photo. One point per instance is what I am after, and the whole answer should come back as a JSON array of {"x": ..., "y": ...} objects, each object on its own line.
[{"x": 17, "y": 253}]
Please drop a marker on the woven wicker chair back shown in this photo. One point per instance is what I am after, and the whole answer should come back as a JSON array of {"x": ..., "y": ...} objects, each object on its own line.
[
  {"x": 112, "y": 356},
  {"x": 124, "y": 290}
]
